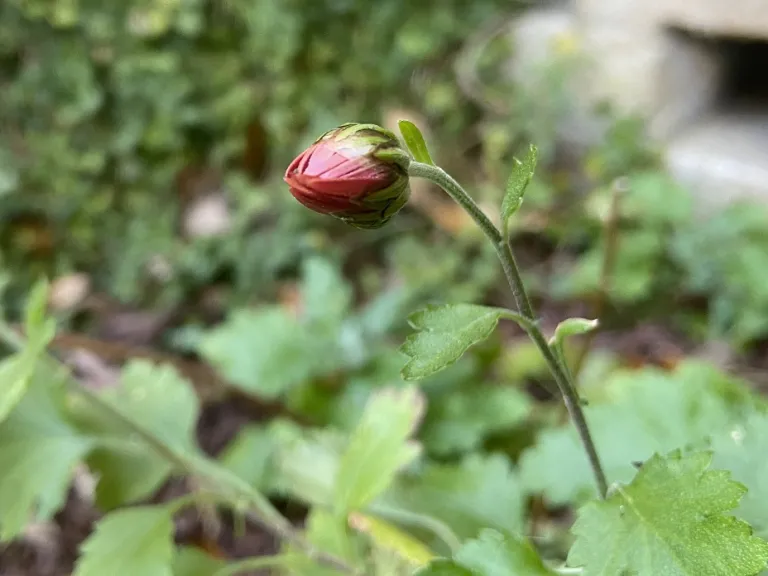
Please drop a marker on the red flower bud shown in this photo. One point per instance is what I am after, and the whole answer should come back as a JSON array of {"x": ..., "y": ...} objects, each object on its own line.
[{"x": 356, "y": 172}]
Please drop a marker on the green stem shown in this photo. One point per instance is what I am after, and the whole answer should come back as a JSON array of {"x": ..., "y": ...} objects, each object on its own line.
[
  {"x": 504, "y": 251},
  {"x": 454, "y": 190}
]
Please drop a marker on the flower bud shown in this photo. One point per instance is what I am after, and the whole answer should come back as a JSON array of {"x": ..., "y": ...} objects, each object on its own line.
[{"x": 356, "y": 172}]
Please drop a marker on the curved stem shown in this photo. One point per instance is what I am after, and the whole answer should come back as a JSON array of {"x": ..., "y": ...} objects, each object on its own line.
[
  {"x": 454, "y": 190},
  {"x": 504, "y": 251}
]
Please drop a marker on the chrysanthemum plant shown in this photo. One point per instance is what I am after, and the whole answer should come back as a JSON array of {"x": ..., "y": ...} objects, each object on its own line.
[{"x": 664, "y": 522}]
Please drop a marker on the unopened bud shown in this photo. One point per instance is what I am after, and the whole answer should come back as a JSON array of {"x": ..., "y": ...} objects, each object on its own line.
[{"x": 356, "y": 172}]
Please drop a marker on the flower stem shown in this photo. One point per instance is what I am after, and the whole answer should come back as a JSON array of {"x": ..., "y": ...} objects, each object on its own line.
[
  {"x": 504, "y": 251},
  {"x": 454, "y": 190}
]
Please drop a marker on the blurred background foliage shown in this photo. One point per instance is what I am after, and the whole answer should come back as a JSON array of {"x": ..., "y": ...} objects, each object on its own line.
[{"x": 142, "y": 150}]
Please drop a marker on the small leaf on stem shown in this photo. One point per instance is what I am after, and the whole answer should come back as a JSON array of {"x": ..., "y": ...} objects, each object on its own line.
[
  {"x": 415, "y": 141},
  {"x": 521, "y": 176},
  {"x": 444, "y": 334},
  {"x": 572, "y": 327}
]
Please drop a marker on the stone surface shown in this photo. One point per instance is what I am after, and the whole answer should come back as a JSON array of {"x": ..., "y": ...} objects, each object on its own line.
[
  {"x": 723, "y": 157},
  {"x": 738, "y": 18},
  {"x": 665, "y": 60}
]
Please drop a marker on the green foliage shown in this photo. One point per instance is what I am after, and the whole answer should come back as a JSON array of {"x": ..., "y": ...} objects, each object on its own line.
[
  {"x": 39, "y": 449},
  {"x": 269, "y": 351},
  {"x": 158, "y": 401},
  {"x": 739, "y": 450},
  {"x": 649, "y": 205},
  {"x": 249, "y": 455},
  {"x": 736, "y": 244},
  {"x": 521, "y": 176},
  {"x": 108, "y": 108},
  {"x": 444, "y": 334},
  {"x": 16, "y": 370},
  {"x": 378, "y": 448},
  {"x": 389, "y": 539},
  {"x": 636, "y": 415},
  {"x": 670, "y": 520},
  {"x": 118, "y": 99},
  {"x": 132, "y": 541},
  {"x": 190, "y": 561},
  {"x": 479, "y": 492},
  {"x": 265, "y": 352},
  {"x": 572, "y": 327},
  {"x": 459, "y": 420},
  {"x": 491, "y": 554},
  {"x": 414, "y": 139}
]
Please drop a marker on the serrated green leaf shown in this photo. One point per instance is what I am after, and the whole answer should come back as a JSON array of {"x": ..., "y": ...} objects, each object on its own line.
[
  {"x": 414, "y": 139},
  {"x": 444, "y": 334},
  {"x": 641, "y": 412},
  {"x": 480, "y": 492},
  {"x": 266, "y": 352},
  {"x": 39, "y": 449},
  {"x": 521, "y": 176},
  {"x": 129, "y": 542},
  {"x": 378, "y": 448},
  {"x": 189, "y": 561},
  {"x": 671, "y": 519},
  {"x": 496, "y": 554},
  {"x": 573, "y": 327},
  {"x": 158, "y": 399},
  {"x": 459, "y": 420},
  {"x": 741, "y": 449}
]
